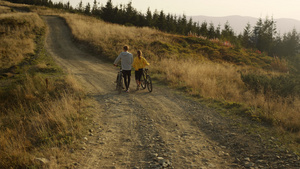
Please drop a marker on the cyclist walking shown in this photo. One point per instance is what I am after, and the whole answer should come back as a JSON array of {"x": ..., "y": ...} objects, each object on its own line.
[
  {"x": 139, "y": 63},
  {"x": 126, "y": 62}
]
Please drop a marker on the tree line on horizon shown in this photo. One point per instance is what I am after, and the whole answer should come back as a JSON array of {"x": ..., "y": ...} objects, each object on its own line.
[{"x": 263, "y": 36}]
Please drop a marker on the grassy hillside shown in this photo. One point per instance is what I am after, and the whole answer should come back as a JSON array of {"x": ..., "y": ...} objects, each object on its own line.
[
  {"x": 39, "y": 112},
  {"x": 206, "y": 68},
  {"x": 18, "y": 32}
]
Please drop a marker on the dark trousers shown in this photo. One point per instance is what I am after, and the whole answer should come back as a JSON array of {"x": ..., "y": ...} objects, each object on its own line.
[
  {"x": 138, "y": 74},
  {"x": 126, "y": 75}
]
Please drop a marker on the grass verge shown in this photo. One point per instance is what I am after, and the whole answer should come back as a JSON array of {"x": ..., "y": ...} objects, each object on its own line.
[{"x": 41, "y": 109}]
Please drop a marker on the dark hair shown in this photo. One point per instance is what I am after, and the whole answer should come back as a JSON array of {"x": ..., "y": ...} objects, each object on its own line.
[
  {"x": 126, "y": 47},
  {"x": 139, "y": 53}
]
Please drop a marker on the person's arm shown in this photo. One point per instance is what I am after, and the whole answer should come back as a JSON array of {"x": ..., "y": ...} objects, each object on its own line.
[
  {"x": 117, "y": 60},
  {"x": 145, "y": 62},
  {"x": 131, "y": 59}
]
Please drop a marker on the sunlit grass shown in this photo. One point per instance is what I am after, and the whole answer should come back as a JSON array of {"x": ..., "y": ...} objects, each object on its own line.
[
  {"x": 108, "y": 39},
  {"x": 36, "y": 116},
  {"x": 18, "y": 37},
  {"x": 40, "y": 114},
  {"x": 222, "y": 81}
]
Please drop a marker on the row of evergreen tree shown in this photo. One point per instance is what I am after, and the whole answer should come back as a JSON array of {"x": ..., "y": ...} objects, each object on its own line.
[{"x": 263, "y": 36}]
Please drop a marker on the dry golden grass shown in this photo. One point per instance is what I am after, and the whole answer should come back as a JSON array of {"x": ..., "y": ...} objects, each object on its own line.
[
  {"x": 37, "y": 117},
  {"x": 280, "y": 65},
  {"x": 18, "y": 32},
  {"x": 218, "y": 81},
  {"x": 4, "y": 9},
  {"x": 221, "y": 81},
  {"x": 110, "y": 38},
  {"x": 40, "y": 115}
]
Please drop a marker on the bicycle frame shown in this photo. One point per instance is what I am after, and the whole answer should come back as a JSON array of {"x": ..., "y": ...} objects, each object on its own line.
[{"x": 119, "y": 85}]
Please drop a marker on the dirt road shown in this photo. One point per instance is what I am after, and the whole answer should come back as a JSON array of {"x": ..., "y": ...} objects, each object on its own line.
[{"x": 161, "y": 129}]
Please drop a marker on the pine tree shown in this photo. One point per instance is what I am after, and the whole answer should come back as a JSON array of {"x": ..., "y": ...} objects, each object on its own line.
[
  {"x": 227, "y": 33},
  {"x": 189, "y": 27},
  {"x": 203, "y": 29},
  {"x": 131, "y": 16},
  {"x": 155, "y": 17},
  {"x": 107, "y": 13},
  {"x": 50, "y": 4},
  {"x": 246, "y": 41},
  {"x": 171, "y": 23},
  {"x": 161, "y": 22},
  {"x": 218, "y": 32},
  {"x": 149, "y": 18},
  {"x": 95, "y": 10},
  {"x": 68, "y": 6},
  {"x": 264, "y": 34},
  {"x": 87, "y": 9},
  {"x": 291, "y": 43},
  {"x": 211, "y": 31},
  {"x": 182, "y": 25},
  {"x": 80, "y": 6}
]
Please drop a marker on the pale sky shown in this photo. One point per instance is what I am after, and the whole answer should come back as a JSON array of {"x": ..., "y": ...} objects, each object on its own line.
[{"x": 218, "y": 8}]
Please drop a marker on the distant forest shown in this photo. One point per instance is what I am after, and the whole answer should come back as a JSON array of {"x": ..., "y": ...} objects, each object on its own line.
[{"x": 263, "y": 36}]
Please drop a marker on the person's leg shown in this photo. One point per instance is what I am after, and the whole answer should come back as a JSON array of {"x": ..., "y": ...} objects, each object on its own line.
[
  {"x": 126, "y": 83},
  {"x": 129, "y": 75},
  {"x": 140, "y": 75},
  {"x": 136, "y": 79},
  {"x": 125, "y": 79}
]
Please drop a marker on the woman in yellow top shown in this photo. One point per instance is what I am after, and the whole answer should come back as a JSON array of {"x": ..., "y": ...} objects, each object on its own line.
[{"x": 138, "y": 64}]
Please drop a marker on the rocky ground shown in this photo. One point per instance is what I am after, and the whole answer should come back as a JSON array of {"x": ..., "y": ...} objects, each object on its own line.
[{"x": 162, "y": 129}]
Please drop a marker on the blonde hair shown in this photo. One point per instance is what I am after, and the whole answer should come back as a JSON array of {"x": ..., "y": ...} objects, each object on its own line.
[{"x": 139, "y": 53}]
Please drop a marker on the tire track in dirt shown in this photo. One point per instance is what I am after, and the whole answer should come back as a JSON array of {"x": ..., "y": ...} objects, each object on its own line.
[{"x": 140, "y": 129}]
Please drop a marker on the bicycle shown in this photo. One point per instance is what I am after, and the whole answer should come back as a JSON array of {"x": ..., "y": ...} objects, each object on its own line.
[
  {"x": 146, "y": 80},
  {"x": 119, "y": 80}
]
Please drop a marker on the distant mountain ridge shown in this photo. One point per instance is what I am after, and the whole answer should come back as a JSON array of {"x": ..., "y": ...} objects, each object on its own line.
[{"x": 238, "y": 23}]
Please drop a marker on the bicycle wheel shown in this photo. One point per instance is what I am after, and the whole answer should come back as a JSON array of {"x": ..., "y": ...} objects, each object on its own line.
[
  {"x": 143, "y": 81},
  {"x": 119, "y": 83},
  {"x": 149, "y": 83}
]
